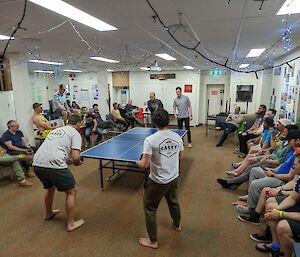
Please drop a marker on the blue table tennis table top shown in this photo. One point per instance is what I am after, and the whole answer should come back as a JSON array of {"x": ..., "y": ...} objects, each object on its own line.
[{"x": 127, "y": 146}]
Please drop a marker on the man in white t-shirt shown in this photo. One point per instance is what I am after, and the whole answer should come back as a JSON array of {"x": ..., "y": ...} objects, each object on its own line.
[
  {"x": 50, "y": 165},
  {"x": 162, "y": 152}
]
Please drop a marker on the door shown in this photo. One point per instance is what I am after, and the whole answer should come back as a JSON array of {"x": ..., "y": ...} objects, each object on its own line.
[{"x": 215, "y": 99}]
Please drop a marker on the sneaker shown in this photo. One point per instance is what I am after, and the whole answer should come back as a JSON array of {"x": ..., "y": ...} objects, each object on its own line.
[
  {"x": 249, "y": 219},
  {"x": 189, "y": 145},
  {"x": 218, "y": 145},
  {"x": 222, "y": 181},
  {"x": 30, "y": 174},
  {"x": 261, "y": 238},
  {"x": 243, "y": 209},
  {"x": 24, "y": 183},
  {"x": 243, "y": 198}
]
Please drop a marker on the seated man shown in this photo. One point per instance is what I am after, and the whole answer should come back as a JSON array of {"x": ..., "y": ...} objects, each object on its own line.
[
  {"x": 127, "y": 116},
  {"x": 42, "y": 124},
  {"x": 104, "y": 124},
  {"x": 17, "y": 145},
  {"x": 253, "y": 132},
  {"x": 13, "y": 162},
  {"x": 118, "y": 118},
  {"x": 231, "y": 124},
  {"x": 60, "y": 103},
  {"x": 130, "y": 108},
  {"x": 90, "y": 123},
  {"x": 283, "y": 217}
]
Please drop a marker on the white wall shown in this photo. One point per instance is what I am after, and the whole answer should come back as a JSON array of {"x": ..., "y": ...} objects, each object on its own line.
[
  {"x": 48, "y": 85},
  {"x": 7, "y": 107},
  {"x": 141, "y": 85}
]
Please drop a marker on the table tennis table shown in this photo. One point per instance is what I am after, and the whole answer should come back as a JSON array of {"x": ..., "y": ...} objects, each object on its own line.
[{"x": 122, "y": 152}]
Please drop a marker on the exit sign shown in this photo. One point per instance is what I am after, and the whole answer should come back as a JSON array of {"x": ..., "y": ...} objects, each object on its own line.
[{"x": 216, "y": 72}]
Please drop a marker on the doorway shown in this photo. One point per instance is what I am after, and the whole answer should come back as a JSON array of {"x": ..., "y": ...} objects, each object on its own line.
[{"x": 215, "y": 98}]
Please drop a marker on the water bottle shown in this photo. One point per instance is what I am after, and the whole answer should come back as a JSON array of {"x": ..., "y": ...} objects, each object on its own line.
[{"x": 275, "y": 250}]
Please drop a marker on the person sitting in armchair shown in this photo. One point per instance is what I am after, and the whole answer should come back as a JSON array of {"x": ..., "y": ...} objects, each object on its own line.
[
  {"x": 231, "y": 124},
  {"x": 16, "y": 144}
]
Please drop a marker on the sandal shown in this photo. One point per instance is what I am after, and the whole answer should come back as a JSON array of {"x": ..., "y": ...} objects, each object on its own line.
[
  {"x": 235, "y": 165},
  {"x": 236, "y": 151},
  {"x": 242, "y": 155},
  {"x": 264, "y": 248}
]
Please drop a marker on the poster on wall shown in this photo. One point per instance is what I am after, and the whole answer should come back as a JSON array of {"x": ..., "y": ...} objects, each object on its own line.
[
  {"x": 188, "y": 88},
  {"x": 84, "y": 94},
  {"x": 95, "y": 92}
]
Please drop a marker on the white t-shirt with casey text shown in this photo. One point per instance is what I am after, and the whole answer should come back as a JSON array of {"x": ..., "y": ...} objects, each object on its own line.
[
  {"x": 55, "y": 150},
  {"x": 164, "y": 147}
]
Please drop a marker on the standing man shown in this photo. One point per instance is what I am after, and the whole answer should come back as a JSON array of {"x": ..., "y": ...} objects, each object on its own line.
[
  {"x": 183, "y": 105},
  {"x": 162, "y": 151},
  {"x": 60, "y": 100},
  {"x": 50, "y": 165},
  {"x": 153, "y": 104}
]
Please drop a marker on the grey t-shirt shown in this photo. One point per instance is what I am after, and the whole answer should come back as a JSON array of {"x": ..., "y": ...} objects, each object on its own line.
[
  {"x": 182, "y": 105},
  {"x": 55, "y": 150},
  {"x": 238, "y": 117}
]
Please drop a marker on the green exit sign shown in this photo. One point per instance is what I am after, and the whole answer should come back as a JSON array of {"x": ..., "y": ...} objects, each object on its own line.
[{"x": 216, "y": 72}]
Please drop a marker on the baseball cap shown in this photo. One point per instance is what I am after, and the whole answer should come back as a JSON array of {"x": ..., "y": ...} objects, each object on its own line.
[
  {"x": 285, "y": 122},
  {"x": 269, "y": 120},
  {"x": 36, "y": 105}
]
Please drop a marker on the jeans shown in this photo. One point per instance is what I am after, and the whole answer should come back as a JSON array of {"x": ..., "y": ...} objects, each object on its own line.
[
  {"x": 8, "y": 160},
  {"x": 107, "y": 124},
  {"x": 154, "y": 192},
  {"x": 228, "y": 128},
  {"x": 187, "y": 127},
  {"x": 88, "y": 133}
]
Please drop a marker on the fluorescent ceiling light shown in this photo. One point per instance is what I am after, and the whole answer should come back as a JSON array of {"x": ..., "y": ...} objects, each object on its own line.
[
  {"x": 144, "y": 68},
  {"x": 166, "y": 57},
  {"x": 3, "y": 37},
  {"x": 46, "y": 62},
  {"x": 109, "y": 70},
  {"x": 74, "y": 71},
  {"x": 74, "y": 13},
  {"x": 188, "y": 67},
  {"x": 256, "y": 52},
  {"x": 44, "y": 71},
  {"x": 102, "y": 59},
  {"x": 289, "y": 7},
  {"x": 244, "y": 65}
]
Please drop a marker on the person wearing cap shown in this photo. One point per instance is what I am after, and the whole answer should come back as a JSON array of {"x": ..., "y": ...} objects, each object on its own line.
[
  {"x": 268, "y": 177},
  {"x": 59, "y": 100},
  {"x": 42, "y": 124}
]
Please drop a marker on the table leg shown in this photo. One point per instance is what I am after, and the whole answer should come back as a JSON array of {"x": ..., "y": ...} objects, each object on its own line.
[
  {"x": 101, "y": 175},
  {"x": 206, "y": 133}
]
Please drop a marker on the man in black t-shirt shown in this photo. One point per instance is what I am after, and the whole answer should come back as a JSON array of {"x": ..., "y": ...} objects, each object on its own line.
[
  {"x": 104, "y": 124},
  {"x": 90, "y": 123}
]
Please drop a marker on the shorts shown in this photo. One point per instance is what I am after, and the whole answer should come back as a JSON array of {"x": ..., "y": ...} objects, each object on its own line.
[
  {"x": 294, "y": 225},
  {"x": 62, "y": 179}
]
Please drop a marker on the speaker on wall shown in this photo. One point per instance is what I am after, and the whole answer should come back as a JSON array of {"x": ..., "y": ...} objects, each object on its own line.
[{"x": 5, "y": 76}]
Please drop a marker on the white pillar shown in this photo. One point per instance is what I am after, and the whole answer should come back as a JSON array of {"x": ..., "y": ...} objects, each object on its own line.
[{"x": 22, "y": 94}]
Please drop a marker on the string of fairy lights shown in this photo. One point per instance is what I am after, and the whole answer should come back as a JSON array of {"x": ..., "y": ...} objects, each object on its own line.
[{"x": 262, "y": 63}]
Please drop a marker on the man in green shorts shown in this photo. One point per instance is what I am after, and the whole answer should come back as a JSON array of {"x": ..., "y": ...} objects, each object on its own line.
[{"x": 50, "y": 165}]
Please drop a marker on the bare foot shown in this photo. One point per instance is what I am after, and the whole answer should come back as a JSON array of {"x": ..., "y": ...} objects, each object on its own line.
[
  {"x": 148, "y": 243},
  {"x": 51, "y": 215},
  {"x": 231, "y": 173},
  {"x": 76, "y": 224}
]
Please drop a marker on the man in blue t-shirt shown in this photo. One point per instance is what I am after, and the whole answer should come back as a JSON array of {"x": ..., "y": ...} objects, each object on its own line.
[
  {"x": 17, "y": 145},
  {"x": 261, "y": 178}
]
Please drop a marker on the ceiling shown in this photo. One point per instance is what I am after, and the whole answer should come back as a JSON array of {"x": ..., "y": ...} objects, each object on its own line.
[{"x": 225, "y": 31}]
